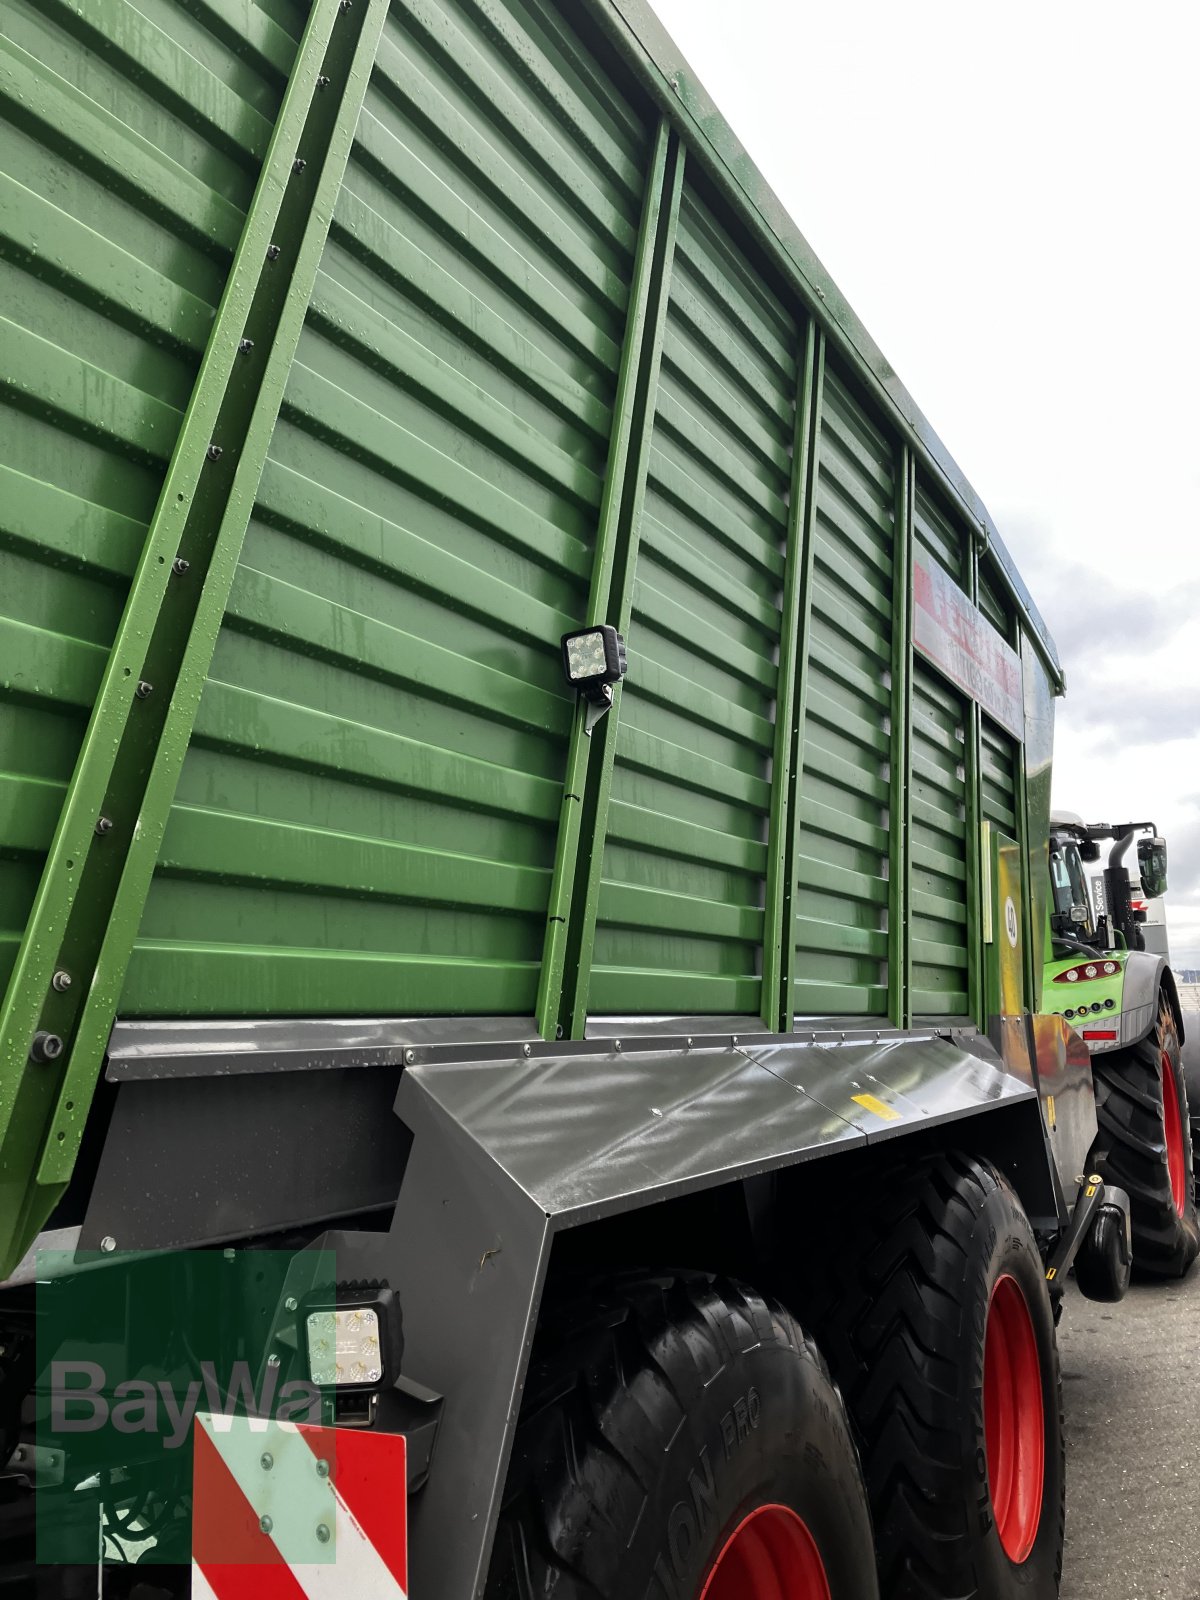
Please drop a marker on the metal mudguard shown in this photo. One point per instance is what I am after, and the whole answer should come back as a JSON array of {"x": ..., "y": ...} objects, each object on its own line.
[{"x": 509, "y": 1151}]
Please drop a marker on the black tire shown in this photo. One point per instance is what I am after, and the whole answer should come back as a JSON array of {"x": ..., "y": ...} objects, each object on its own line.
[
  {"x": 903, "y": 1311},
  {"x": 1130, "y": 1113},
  {"x": 1105, "y": 1259},
  {"x": 660, "y": 1411}
]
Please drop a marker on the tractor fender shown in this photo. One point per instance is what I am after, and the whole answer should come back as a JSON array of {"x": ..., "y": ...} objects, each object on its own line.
[{"x": 1146, "y": 975}]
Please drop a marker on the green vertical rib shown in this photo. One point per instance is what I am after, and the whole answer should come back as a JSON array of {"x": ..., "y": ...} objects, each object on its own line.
[
  {"x": 779, "y": 947},
  {"x": 567, "y": 850},
  {"x": 622, "y": 565},
  {"x": 1033, "y": 974},
  {"x": 976, "y": 954},
  {"x": 899, "y": 843},
  {"x": 814, "y": 386},
  {"x": 90, "y": 900}
]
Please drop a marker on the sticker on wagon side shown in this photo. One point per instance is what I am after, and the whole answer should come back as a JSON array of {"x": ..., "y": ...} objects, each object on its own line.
[{"x": 955, "y": 635}]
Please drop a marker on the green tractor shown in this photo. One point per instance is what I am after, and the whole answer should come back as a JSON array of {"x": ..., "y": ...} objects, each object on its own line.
[{"x": 1124, "y": 1003}]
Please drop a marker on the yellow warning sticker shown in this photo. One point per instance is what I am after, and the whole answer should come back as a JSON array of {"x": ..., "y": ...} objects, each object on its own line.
[{"x": 869, "y": 1103}]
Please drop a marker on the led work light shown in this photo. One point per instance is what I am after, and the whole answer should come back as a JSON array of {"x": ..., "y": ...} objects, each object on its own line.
[
  {"x": 353, "y": 1343},
  {"x": 593, "y": 660}
]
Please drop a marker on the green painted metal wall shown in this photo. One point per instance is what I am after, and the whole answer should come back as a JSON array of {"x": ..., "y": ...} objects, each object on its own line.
[
  {"x": 130, "y": 145},
  {"x": 349, "y": 358},
  {"x": 841, "y": 897},
  {"x": 680, "y": 917},
  {"x": 367, "y": 817}
]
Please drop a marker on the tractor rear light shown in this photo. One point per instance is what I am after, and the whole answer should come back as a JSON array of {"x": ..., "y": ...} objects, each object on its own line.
[
  {"x": 1086, "y": 971},
  {"x": 1099, "y": 1033}
]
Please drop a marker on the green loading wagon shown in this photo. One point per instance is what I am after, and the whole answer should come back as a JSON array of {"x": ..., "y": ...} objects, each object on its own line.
[{"x": 351, "y": 357}]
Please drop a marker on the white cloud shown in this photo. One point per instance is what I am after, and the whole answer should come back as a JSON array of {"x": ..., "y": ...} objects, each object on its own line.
[{"x": 1006, "y": 195}]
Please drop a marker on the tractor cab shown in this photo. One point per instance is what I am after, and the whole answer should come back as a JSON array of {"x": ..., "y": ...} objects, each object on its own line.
[{"x": 1104, "y": 915}]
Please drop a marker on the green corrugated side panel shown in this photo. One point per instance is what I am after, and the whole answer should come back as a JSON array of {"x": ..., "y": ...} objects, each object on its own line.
[
  {"x": 938, "y": 894},
  {"x": 680, "y": 920},
  {"x": 998, "y": 778},
  {"x": 940, "y": 536},
  {"x": 841, "y": 880},
  {"x": 130, "y": 144},
  {"x": 993, "y": 603},
  {"x": 366, "y": 817}
]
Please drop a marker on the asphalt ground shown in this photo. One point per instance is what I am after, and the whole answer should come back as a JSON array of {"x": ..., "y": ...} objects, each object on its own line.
[{"x": 1131, "y": 1384}]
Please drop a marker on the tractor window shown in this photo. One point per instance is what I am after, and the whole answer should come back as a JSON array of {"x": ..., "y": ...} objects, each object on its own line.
[
  {"x": 1079, "y": 886},
  {"x": 1063, "y": 898}
]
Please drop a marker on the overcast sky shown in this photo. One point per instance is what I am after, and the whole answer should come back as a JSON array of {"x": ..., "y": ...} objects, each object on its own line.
[{"x": 1007, "y": 195}]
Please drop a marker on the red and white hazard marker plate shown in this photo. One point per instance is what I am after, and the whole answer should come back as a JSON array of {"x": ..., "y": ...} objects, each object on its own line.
[{"x": 281, "y": 1511}]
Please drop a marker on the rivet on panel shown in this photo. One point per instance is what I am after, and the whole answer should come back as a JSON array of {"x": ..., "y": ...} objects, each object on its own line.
[{"x": 526, "y": 1049}]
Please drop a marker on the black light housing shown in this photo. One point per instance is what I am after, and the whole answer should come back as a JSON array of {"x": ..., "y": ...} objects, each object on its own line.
[{"x": 593, "y": 660}]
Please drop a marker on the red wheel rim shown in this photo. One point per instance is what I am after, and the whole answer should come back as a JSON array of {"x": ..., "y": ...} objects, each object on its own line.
[
  {"x": 770, "y": 1555},
  {"x": 1013, "y": 1421},
  {"x": 1173, "y": 1132}
]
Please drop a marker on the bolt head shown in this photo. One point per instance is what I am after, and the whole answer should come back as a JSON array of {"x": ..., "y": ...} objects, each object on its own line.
[
  {"x": 273, "y": 1359},
  {"x": 61, "y": 981},
  {"x": 215, "y": 452},
  {"x": 144, "y": 689},
  {"x": 734, "y": 1039},
  {"x": 103, "y": 825},
  {"x": 409, "y": 1057},
  {"x": 323, "y": 1532},
  {"x": 299, "y": 165},
  {"x": 108, "y": 1244},
  {"x": 179, "y": 566},
  {"x": 266, "y": 1461},
  {"x": 690, "y": 1042},
  {"x": 526, "y": 1049},
  {"x": 322, "y": 1467},
  {"x": 245, "y": 346},
  {"x": 617, "y": 1045},
  {"x": 265, "y": 1524},
  {"x": 291, "y": 1303},
  {"x": 273, "y": 252},
  {"x": 45, "y": 1047}
]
